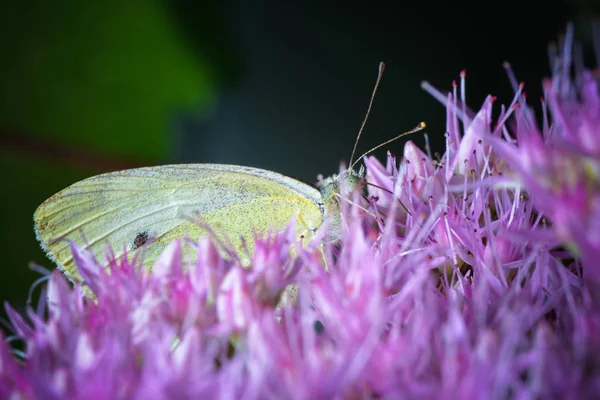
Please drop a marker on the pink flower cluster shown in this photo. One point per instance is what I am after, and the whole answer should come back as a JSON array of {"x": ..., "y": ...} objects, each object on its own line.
[{"x": 475, "y": 276}]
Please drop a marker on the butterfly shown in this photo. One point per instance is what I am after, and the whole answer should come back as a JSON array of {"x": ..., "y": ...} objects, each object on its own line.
[{"x": 150, "y": 207}]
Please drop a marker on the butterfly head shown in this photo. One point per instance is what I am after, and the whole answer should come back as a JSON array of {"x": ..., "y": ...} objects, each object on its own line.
[
  {"x": 336, "y": 188},
  {"x": 348, "y": 181}
]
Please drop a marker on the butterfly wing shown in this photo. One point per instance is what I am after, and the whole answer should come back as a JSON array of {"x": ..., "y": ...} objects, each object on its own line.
[{"x": 151, "y": 206}]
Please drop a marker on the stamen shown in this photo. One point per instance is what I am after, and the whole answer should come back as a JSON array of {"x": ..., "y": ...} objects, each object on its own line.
[
  {"x": 427, "y": 146},
  {"x": 463, "y": 96}
]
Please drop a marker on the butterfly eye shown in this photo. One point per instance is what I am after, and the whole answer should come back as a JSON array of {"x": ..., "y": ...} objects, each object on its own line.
[
  {"x": 321, "y": 208},
  {"x": 140, "y": 240}
]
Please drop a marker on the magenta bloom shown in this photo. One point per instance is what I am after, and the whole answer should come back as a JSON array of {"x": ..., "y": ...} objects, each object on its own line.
[{"x": 473, "y": 276}]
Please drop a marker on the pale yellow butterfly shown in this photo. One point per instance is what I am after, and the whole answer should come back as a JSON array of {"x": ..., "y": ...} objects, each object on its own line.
[
  {"x": 151, "y": 206},
  {"x": 158, "y": 204}
]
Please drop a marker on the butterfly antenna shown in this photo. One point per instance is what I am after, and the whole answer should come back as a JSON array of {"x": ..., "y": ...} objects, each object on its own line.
[
  {"x": 419, "y": 127},
  {"x": 379, "y": 75}
]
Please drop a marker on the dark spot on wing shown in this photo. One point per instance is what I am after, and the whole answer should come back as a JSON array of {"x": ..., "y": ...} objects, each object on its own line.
[
  {"x": 319, "y": 327},
  {"x": 140, "y": 240}
]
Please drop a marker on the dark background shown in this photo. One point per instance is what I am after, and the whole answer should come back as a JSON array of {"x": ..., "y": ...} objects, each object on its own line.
[{"x": 90, "y": 87}]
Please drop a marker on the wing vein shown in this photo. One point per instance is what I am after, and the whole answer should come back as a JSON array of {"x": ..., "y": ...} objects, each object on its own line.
[
  {"x": 106, "y": 234},
  {"x": 94, "y": 217}
]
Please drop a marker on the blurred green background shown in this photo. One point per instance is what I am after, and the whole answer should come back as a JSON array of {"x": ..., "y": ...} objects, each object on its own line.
[
  {"x": 85, "y": 88},
  {"x": 91, "y": 87}
]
